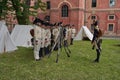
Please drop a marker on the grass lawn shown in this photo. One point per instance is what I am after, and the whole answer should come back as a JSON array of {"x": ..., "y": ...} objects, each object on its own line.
[{"x": 20, "y": 65}]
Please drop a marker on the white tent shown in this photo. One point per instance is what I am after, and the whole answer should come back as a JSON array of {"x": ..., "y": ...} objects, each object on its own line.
[
  {"x": 6, "y": 42},
  {"x": 21, "y": 35},
  {"x": 84, "y": 32}
]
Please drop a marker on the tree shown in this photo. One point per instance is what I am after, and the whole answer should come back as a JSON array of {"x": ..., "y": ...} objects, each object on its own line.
[
  {"x": 22, "y": 9},
  {"x": 3, "y": 8}
]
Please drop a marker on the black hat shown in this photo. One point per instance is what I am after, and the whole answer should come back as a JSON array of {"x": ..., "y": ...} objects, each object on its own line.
[
  {"x": 54, "y": 24},
  {"x": 59, "y": 23},
  {"x": 37, "y": 20}
]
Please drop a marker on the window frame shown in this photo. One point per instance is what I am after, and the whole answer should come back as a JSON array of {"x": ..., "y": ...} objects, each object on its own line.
[
  {"x": 64, "y": 11},
  {"x": 109, "y": 27},
  {"x": 111, "y": 16},
  {"x": 110, "y": 4},
  {"x": 95, "y": 17},
  {"x": 94, "y": 4},
  {"x": 48, "y": 5}
]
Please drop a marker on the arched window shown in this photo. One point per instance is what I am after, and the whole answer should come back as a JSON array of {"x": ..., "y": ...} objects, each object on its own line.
[{"x": 64, "y": 11}]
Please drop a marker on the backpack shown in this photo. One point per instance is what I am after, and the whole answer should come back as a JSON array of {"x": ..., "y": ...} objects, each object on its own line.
[{"x": 32, "y": 32}]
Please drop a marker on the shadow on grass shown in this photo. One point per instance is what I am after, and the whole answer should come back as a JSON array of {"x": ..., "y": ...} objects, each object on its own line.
[{"x": 118, "y": 45}]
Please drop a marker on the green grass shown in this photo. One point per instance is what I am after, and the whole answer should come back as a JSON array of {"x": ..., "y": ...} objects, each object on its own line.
[{"x": 20, "y": 65}]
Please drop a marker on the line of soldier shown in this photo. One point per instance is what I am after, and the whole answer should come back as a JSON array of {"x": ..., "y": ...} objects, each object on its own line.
[{"x": 45, "y": 36}]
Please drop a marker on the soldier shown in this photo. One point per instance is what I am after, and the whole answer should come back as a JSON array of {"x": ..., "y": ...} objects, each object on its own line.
[
  {"x": 52, "y": 37},
  {"x": 47, "y": 39},
  {"x": 96, "y": 41},
  {"x": 69, "y": 31},
  {"x": 41, "y": 51},
  {"x": 55, "y": 32},
  {"x": 66, "y": 31},
  {"x": 37, "y": 41},
  {"x": 55, "y": 35},
  {"x": 73, "y": 32}
]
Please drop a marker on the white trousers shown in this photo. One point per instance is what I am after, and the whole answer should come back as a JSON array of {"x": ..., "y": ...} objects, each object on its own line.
[{"x": 37, "y": 49}]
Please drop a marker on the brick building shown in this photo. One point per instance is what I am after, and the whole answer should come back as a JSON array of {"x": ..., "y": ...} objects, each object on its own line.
[
  {"x": 107, "y": 12},
  {"x": 82, "y": 12},
  {"x": 67, "y": 11}
]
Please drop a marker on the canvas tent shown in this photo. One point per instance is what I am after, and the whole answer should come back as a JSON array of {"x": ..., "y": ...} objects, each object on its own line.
[
  {"x": 84, "y": 32},
  {"x": 21, "y": 35},
  {"x": 6, "y": 42}
]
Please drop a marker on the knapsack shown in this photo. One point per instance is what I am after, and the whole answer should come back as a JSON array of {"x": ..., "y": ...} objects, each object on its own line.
[{"x": 32, "y": 32}]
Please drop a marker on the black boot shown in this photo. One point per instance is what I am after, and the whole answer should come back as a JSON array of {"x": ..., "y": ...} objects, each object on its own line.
[
  {"x": 93, "y": 47},
  {"x": 71, "y": 42},
  {"x": 98, "y": 55}
]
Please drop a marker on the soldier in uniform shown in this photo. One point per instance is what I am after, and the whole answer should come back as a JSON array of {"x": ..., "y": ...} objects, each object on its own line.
[
  {"x": 66, "y": 35},
  {"x": 55, "y": 33},
  {"x": 96, "y": 41},
  {"x": 37, "y": 41},
  {"x": 41, "y": 51},
  {"x": 69, "y": 32},
  {"x": 73, "y": 32},
  {"x": 52, "y": 37},
  {"x": 47, "y": 39}
]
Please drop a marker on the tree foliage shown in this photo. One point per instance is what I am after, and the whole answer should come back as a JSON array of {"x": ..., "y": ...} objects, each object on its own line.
[
  {"x": 21, "y": 8},
  {"x": 3, "y": 8}
]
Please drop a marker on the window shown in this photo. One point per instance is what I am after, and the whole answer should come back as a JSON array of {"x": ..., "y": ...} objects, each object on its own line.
[
  {"x": 110, "y": 27},
  {"x": 93, "y": 17},
  {"x": 111, "y": 17},
  {"x": 112, "y": 3},
  {"x": 64, "y": 11},
  {"x": 48, "y": 4},
  {"x": 94, "y": 3}
]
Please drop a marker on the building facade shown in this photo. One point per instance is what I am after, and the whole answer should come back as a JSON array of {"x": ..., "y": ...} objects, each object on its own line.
[
  {"x": 67, "y": 11},
  {"x": 107, "y": 12},
  {"x": 82, "y": 12}
]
